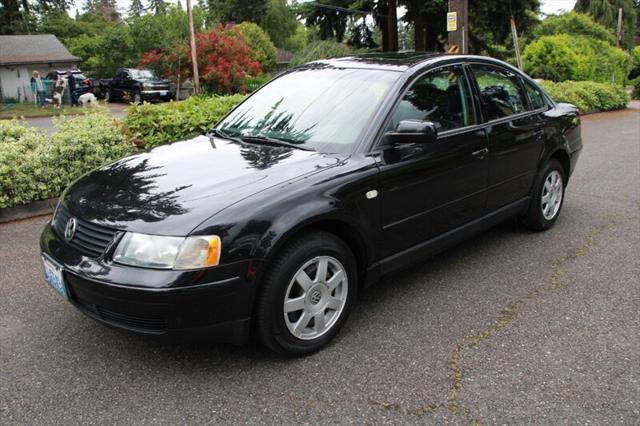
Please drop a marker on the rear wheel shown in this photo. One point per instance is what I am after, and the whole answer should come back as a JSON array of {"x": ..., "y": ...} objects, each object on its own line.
[
  {"x": 547, "y": 197},
  {"x": 307, "y": 294}
]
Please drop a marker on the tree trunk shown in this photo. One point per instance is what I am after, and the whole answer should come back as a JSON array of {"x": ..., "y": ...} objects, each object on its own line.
[
  {"x": 419, "y": 34},
  {"x": 392, "y": 26}
]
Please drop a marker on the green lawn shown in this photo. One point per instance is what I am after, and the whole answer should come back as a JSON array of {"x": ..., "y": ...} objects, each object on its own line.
[{"x": 31, "y": 110}]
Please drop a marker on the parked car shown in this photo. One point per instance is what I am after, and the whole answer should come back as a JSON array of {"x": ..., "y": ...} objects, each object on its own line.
[
  {"x": 328, "y": 177},
  {"x": 83, "y": 84},
  {"x": 136, "y": 84}
]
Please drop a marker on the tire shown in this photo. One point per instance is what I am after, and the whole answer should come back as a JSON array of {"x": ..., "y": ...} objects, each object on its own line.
[
  {"x": 294, "y": 283},
  {"x": 109, "y": 96},
  {"x": 547, "y": 197},
  {"x": 137, "y": 97}
]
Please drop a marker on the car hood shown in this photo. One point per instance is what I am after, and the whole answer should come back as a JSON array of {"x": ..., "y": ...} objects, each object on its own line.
[{"x": 173, "y": 188}]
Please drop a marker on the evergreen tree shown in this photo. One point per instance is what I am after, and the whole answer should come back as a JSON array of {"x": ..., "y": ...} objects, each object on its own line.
[
  {"x": 136, "y": 9},
  {"x": 159, "y": 7},
  {"x": 605, "y": 12},
  {"x": 104, "y": 8},
  {"x": 238, "y": 10}
]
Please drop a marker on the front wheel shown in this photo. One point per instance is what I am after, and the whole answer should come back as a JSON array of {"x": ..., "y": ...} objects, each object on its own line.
[
  {"x": 307, "y": 294},
  {"x": 137, "y": 97},
  {"x": 547, "y": 197}
]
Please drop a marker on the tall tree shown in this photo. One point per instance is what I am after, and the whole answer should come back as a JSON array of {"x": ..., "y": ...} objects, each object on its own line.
[
  {"x": 15, "y": 17},
  {"x": 605, "y": 12},
  {"x": 279, "y": 21},
  {"x": 489, "y": 25},
  {"x": 136, "y": 9},
  {"x": 104, "y": 8},
  {"x": 238, "y": 10},
  {"x": 329, "y": 16},
  {"x": 159, "y": 7}
]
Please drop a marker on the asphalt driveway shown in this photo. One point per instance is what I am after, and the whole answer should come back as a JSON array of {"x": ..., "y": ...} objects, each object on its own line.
[
  {"x": 509, "y": 327},
  {"x": 118, "y": 110}
]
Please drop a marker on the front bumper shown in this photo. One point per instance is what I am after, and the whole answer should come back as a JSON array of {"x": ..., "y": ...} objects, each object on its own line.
[
  {"x": 157, "y": 94},
  {"x": 212, "y": 304}
]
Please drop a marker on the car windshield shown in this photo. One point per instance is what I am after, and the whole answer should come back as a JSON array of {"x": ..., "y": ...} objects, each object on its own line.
[
  {"x": 324, "y": 109},
  {"x": 142, "y": 74}
]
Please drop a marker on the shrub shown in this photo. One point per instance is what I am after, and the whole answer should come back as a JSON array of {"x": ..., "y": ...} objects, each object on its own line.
[
  {"x": 588, "y": 96},
  {"x": 224, "y": 61},
  {"x": 262, "y": 49},
  {"x": 635, "y": 86},
  {"x": 635, "y": 63},
  {"x": 151, "y": 125},
  {"x": 563, "y": 57},
  {"x": 34, "y": 167},
  {"x": 576, "y": 24},
  {"x": 321, "y": 50}
]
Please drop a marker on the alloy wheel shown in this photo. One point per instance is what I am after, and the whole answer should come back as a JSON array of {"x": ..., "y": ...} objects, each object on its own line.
[
  {"x": 552, "y": 192},
  {"x": 315, "y": 297}
]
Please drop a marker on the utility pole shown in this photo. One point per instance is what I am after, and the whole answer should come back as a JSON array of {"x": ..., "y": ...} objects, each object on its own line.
[
  {"x": 194, "y": 56},
  {"x": 516, "y": 44},
  {"x": 458, "y": 26},
  {"x": 619, "y": 30}
]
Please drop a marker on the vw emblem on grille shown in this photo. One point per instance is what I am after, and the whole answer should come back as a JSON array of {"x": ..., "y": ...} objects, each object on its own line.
[
  {"x": 315, "y": 297},
  {"x": 70, "y": 229}
]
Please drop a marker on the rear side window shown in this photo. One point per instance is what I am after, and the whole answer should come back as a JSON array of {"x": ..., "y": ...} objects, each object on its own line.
[
  {"x": 440, "y": 96},
  {"x": 535, "y": 96},
  {"x": 500, "y": 91}
]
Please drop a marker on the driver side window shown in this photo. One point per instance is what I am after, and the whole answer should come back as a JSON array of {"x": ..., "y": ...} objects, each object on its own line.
[{"x": 440, "y": 96}]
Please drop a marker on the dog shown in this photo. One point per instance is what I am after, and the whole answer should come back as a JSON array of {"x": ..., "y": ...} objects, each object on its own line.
[{"x": 88, "y": 100}]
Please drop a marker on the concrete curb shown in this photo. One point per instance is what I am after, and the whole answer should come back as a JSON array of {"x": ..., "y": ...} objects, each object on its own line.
[{"x": 37, "y": 208}]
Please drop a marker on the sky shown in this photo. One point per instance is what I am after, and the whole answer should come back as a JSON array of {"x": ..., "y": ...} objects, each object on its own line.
[{"x": 548, "y": 6}]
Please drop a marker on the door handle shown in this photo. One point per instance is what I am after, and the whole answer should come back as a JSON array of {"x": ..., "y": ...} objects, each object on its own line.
[{"x": 481, "y": 153}]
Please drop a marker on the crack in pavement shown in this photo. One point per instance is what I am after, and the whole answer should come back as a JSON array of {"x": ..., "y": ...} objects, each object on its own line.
[
  {"x": 503, "y": 319},
  {"x": 506, "y": 316}
]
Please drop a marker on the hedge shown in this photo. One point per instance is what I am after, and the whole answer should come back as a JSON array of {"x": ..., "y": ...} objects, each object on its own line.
[
  {"x": 150, "y": 125},
  {"x": 564, "y": 57},
  {"x": 588, "y": 96},
  {"x": 35, "y": 167}
]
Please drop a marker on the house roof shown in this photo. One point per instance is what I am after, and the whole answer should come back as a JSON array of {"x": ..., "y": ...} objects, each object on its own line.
[
  {"x": 33, "y": 49},
  {"x": 283, "y": 56}
]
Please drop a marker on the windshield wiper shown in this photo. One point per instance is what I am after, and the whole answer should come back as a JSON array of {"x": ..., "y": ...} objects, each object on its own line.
[
  {"x": 222, "y": 134},
  {"x": 274, "y": 141}
]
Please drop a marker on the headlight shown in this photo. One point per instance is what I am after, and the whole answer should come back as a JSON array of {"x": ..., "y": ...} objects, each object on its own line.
[{"x": 154, "y": 251}]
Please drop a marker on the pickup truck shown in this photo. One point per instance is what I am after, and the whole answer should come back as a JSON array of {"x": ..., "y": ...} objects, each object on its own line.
[{"x": 136, "y": 84}]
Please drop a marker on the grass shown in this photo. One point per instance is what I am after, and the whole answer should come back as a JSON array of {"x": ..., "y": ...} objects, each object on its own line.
[{"x": 8, "y": 111}]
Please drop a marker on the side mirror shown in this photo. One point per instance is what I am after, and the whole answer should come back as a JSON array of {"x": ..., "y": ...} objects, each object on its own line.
[{"x": 413, "y": 131}]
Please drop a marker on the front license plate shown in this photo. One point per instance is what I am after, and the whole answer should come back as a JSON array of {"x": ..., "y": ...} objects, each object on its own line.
[
  {"x": 163, "y": 93},
  {"x": 53, "y": 275}
]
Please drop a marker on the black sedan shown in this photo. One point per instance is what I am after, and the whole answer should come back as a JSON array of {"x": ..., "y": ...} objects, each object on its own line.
[{"x": 330, "y": 176}]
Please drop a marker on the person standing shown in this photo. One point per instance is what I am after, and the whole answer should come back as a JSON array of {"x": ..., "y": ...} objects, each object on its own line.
[
  {"x": 37, "y": 86},
  {"x": 71, "y": 82}
]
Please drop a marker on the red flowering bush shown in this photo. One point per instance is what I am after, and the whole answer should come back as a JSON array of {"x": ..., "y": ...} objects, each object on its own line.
[{"x": 224, "y": 61}]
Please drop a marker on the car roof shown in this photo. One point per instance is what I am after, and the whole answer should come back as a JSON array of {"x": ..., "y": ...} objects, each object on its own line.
[{"x": 400, "y": 61}]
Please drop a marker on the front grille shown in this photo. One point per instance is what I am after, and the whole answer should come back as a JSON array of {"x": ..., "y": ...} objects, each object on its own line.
[
  {"x": 149, "y": 324},
  {"x": 89, "y": 238}
]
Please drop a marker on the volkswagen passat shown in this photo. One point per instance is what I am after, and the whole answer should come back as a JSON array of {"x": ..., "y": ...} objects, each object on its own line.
[{"x": 328, "y": 177}]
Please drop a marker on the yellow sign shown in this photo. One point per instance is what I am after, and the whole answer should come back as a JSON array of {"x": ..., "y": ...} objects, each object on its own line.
[
  {"x": 454, "y": 48},
  {"x": 452, "y": 21}
]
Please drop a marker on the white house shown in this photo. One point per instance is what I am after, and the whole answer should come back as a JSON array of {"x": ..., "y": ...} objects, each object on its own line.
[{"x": 20, "y": 55}]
